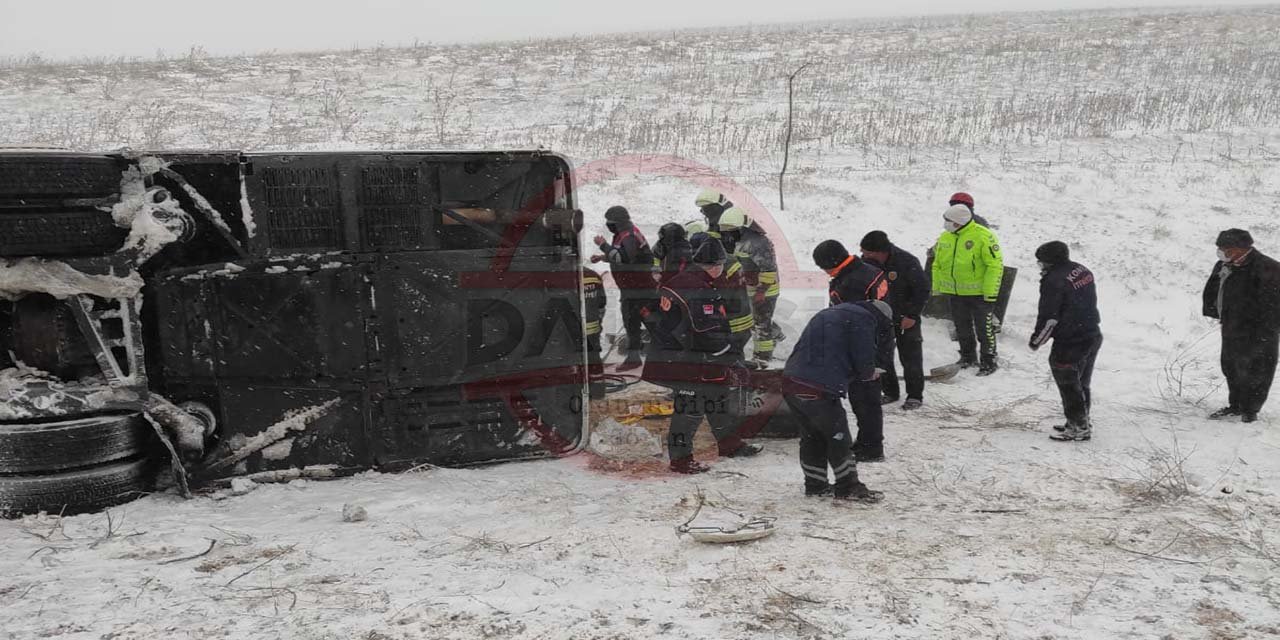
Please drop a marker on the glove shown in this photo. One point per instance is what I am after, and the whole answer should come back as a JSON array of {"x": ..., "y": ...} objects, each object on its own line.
[{"x": 1033, "y": 346}]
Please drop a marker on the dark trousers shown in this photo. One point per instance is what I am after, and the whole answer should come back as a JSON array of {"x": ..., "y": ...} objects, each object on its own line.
[
  {"x": 1249, "y": 363},
  {"x": 864, "y": 399},
  {"x": 911, "y": 354},
  {"x": 975, "y": 326},
  {"x": 693, "y": 402},
  {"x": 632, "y": 321},
  {"x": 1072, "y": 366},
  {"x": 763, "y": 314},
  {"x": 595, "y": 367},
  {"x": 824, "y": 439}
]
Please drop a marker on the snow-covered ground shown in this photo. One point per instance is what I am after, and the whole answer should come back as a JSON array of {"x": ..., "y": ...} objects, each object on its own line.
[{"x": 1163, "y": 526}]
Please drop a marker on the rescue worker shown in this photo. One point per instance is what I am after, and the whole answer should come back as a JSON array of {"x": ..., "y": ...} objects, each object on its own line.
[
  {"x": 631, "y": 262},
  {"x": 690, "y": 353},
  {"x": 672, "y": 251},
  {"x": 760, "y": 272},
  {"x": 713, "y": 204},
  {"x": 968, "y": 267},
  {"x": 1069, "y": 316},
  {"x": 836, "y": 349},
  {"x": 1243, "y": 293},
  {"x": 908, "y": 293},
  {"x": 595, "y": 300},
  {"x": 737, "y": 300},
  {"x": 854, "y": 280}
]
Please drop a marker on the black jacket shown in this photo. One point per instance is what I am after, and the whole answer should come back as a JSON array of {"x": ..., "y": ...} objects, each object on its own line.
[
  {"x": 885, "y": 341},
  {"x": 857, "y": 280},
  {"x": 1068, "y": 306},
  {"x": 688, "y": 326},
  {"x": 631, "y": 261},
  {"x": 1250, "y": 296},
  {"x": 908, "y": 286},
  {"x": 836, "y": 347}
]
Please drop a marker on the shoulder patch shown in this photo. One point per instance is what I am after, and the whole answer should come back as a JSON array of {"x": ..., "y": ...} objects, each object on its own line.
[
  {"x": 709, "y": 309},
  {"x": 995, "y": 248},
  {"x": 893, "y": 275},
  {"x": 968, "y": 244}
]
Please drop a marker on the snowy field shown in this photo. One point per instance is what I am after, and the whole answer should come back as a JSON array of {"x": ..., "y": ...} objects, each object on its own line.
[{"x": 1163, "y": 526}]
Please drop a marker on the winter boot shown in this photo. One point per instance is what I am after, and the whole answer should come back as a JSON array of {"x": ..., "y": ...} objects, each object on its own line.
[
  {"x": 1073, "y": 433},
  {"x": 912, "y": 404},
  {"x": 633, "y": 361},
  {"x": 776, "y": 334},
  {"x": 888, "y": 399},
  {"x": 688, "y": 466},
  {"x": 857, "y": 492},
  {"x": 813, "y": 490},
  {"x": 1225, "y": 412},
  {"x": 1248, "y": 416},
  {"x": 761, "y": 359},
  {"x": 868, "y": 454},
  {"x": 988, "y": 368},
  {"x": 967, "y": 363},
  {"x": 745, "y": 451}
]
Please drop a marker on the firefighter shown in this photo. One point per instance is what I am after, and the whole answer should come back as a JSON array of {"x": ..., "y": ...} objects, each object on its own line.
[
  {"x": 836, "y": 349},
  {"x": 1069, "y": 316},
  {"x": 690, "y": 353},
  {"x": 737, "y": 298},
  {"x": 595, "y": 299},
  {"x": 713, "y": 204},
  {"x": 746, "y": 240},
  {"x": 968, "y": 267},
  {"x": 856, "y": 281},
  {"x": 631, "y": 262},
  {"x": 672, "y": 251},
  {"x": 1243, "y": 293},
  {"x": 908, "y": 293}
]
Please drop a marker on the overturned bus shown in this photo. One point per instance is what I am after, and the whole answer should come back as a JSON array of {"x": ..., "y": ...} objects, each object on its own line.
[{"x": 280, "y": 315}]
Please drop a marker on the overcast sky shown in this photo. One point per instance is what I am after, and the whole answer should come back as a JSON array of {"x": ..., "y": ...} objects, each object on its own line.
[{"x": 73, "y": 28}]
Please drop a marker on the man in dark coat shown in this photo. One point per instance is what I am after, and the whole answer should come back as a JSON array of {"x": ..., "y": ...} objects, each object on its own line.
[
  {"x": 908, "y": 293},
  {"x": 631, "y": 262},
  {"x": 1069, "y": 316},
  {"x": 1243, "y": 293},
  {"x": 690, "y": 354},
  {"x": 855, "y": 280},
  {"x": 837, "y": 347}
]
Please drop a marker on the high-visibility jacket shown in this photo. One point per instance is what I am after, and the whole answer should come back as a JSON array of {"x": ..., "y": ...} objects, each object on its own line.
[
  {"x": 968, "y": 263},
  {"x": 759, "y": 265},
  {"x": 737, "y": 301},
  {"x": 593, "y": 292}
]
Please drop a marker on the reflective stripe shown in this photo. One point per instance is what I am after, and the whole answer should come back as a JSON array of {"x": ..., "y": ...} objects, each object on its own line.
[
  {"x": 768, "y": 277},
  {"x": 592, "y": 280},
  {"x": 592, "y": 328},
  {"x": 773, "y": 291},
  {"x": 764, "y": 345},
  {"x": 733, "y": 268},
  {"x": 744, "y": 323}
]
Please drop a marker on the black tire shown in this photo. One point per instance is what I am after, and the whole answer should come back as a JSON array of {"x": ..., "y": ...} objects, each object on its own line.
[
  {"x": 78, "y": 491},
  {"x": 71, "y": 444},
  {"x": 27, "y": 176}
]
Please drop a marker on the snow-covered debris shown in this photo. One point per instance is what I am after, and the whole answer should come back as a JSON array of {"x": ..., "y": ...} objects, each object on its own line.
[
  {"x": 298, "y": 420},
  {"x": 246, "y": 211},
  {"x": 153, "y": 218},
  {"x": 354, "y": 513},
  {"x": 60, "y": 280},
  {"x": 612, "y": 439}
]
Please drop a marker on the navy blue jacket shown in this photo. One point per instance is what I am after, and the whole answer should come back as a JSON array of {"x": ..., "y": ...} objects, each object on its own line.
[
  {"x": 1068, "y": 306},
  {"x": 837, "y": 346}
]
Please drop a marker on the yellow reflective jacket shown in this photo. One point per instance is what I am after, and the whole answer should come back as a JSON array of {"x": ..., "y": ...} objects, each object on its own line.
[{"x": 968, "y": 263}]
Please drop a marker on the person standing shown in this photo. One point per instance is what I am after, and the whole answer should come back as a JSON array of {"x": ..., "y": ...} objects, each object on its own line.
[
  {"x": 908, "y": 293},
  {"x": 969, "y": 267},
  {"x": 1243, "y": 294},
  {"x": 857, "y": 281},
  {"x": 962, "y": 198},
  {"x": 1069, "y": 317},
  {"x": 737, "y": 300},
  {"x": 836, "y": 348},
  {"x": 746, "y": 240},
  {"x": 595, "y": 301},
  {"x": 631, "y": 262},
  {"x": 671, "y": 252},
  {"x": 690, "y": 354},
  {"x": 713, "y": 204}
]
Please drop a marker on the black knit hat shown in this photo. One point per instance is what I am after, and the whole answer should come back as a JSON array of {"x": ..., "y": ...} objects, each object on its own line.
[
  {"x": 1235, "y": 239},
  {"x": 670, "y": 232},
  {"x": 877, "y": 241},
  {"x": 617, "y": 214},
  {"x": 707, "y": 250},
  {"x": 829, "y": 254},
  {"x": 1055, "y": 252}
]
